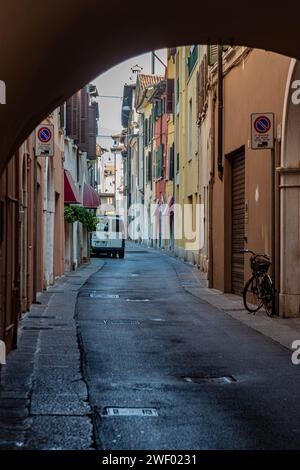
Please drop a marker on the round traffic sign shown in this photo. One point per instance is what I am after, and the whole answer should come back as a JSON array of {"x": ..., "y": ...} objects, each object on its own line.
[
  {"x": 44, "y": 135},
  {"x": 262, "y": 124}
]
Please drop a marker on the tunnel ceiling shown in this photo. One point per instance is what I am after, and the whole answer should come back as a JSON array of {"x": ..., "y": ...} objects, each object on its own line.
[{"x": 50, "y": 49}]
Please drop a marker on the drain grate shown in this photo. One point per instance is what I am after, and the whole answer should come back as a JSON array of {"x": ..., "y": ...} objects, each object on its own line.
[
  {"x": 143, "y": 412},
  {"x": 41, "y": 317},
  {"x": 227, "y": 379},
  {"x": 36, "y": 328},
  {"x": 125, "y": 321}
]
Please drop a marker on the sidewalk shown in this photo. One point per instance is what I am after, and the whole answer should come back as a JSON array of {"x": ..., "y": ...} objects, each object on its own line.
[
  {"x": 43, "y": 398},
  {"x": 282, "y": 330}
]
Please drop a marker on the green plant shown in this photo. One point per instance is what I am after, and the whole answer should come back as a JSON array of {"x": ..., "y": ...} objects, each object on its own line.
[{"x": 80, "y": 214}]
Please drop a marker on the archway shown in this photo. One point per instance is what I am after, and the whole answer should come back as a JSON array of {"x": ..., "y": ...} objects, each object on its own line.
[{"x": 48, "y": 51}]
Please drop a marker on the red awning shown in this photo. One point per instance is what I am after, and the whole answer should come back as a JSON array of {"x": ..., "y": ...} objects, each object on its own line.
[
  {"x": 71, "y": 192},
  {"x": 91, "y": 199}
]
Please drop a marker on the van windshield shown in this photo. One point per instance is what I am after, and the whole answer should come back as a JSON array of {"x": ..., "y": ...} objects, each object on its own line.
[{"x": 110, "y": 225}]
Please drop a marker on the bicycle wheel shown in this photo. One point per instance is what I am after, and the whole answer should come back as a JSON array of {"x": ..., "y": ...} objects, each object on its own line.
[
  {"x": 267, "y": 294},
  {"x": 252, "y": 301}
]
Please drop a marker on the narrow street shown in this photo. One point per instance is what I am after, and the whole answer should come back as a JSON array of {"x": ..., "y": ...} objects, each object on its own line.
[{"x": 148, "y": 344}]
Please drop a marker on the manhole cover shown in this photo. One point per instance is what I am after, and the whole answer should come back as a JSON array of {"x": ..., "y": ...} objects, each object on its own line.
[
  {"x": 94, "y": 295},
  {"x": 212, "y": 380},
  {"x": 144, "y": 412}
]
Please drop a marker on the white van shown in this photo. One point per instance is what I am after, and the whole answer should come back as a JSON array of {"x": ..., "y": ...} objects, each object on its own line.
[{"x": 109, "y": 237}]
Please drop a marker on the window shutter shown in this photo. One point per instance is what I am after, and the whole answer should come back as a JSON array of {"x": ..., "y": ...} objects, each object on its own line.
[
  {"x": 69, "y": 116},
  {"x": 149, "y": 167},
  {"x": 92, "y": 131},
  {"x": 150, "y": 130},
  {"x": 83, "y": 135},
  {"x": 159, "y": 161},
  {"x": 145, "y": 132},
  {"x": 205, "y": 61},
  {"x": 171, "y": 164},
  {"x": 75, "y": 116},
  {"x": 212, "y": 55},
  {"x": 62, "y": 116},
  {"x": 171, "y": 52}
]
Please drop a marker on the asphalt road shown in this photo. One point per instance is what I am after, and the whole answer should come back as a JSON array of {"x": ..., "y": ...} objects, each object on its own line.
[{"x": 166, "y": 370}]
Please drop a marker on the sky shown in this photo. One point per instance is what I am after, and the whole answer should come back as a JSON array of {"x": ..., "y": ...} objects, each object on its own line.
[{"x": 111, "y": 83}]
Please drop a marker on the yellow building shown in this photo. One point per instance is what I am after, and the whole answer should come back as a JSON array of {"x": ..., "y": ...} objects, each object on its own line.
[{"x": 187, "y": 213}]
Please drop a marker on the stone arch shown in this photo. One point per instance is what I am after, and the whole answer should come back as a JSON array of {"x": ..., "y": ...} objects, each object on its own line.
[{"x": 32, "y": 93}]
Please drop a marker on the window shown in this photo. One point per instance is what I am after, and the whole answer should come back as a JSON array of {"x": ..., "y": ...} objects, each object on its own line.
[
  {"x": 190, "y": 136},
  {"x": 150, "y": 130},
  {"x": 170, "y": 95},
  {"x": 149, "y": 167},
  {"x": 192, "y": 59},
  {"x": 171, "y": 163},
  {"x": 146, "y": 133},
  {"x": 177, "y": 163},
  {"x": 159, "y": 161}
]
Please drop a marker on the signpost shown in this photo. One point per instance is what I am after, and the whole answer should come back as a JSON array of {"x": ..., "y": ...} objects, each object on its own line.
[
  {"x": 44, "y": 140},
  {"x": 44, "y": 147},
  {"x": 262, "y": 131},
  {"x": 263, "y": 138}
]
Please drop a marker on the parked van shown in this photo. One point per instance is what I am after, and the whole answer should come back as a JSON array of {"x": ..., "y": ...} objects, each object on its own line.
[{"x": 109, "y": 237}]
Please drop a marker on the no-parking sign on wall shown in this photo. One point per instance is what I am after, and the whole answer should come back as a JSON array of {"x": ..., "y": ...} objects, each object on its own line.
[
  {"x": 262, "y": 131},
  {"x": 44, "y": 140}
]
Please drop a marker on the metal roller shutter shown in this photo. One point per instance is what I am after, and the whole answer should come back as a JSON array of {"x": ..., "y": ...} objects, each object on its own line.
[{"x": 238, "y": 222}]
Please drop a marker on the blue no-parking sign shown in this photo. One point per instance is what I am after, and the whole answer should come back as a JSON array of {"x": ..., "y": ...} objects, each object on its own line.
[
  {"x": 44, "y": 140},
  {"x": 262, "y": 131}
]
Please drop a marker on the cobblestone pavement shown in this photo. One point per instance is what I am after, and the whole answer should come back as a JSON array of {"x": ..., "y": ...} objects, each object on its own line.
[{"x": 43, "y": 399}]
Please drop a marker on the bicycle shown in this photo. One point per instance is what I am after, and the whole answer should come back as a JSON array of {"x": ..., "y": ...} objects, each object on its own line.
[{"x": 259, "y": 290}]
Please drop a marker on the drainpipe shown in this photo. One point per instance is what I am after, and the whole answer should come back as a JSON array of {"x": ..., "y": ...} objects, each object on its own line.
[
  {"x": 153, "y": 62},
  {"x": 220, "y": 111},
  {"x": 35, "y": 221},
  {"x": 211, "y": 193}
]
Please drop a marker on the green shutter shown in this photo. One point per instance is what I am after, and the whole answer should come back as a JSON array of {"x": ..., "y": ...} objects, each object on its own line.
[
  {"x": 212, "y": 54},
  {"x": 159, "y": 161},
  {"x": 192, "y": 59}
]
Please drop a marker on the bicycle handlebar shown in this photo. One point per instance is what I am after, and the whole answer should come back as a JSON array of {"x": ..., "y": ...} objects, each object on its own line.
[{"x": 246, "y": 250}]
